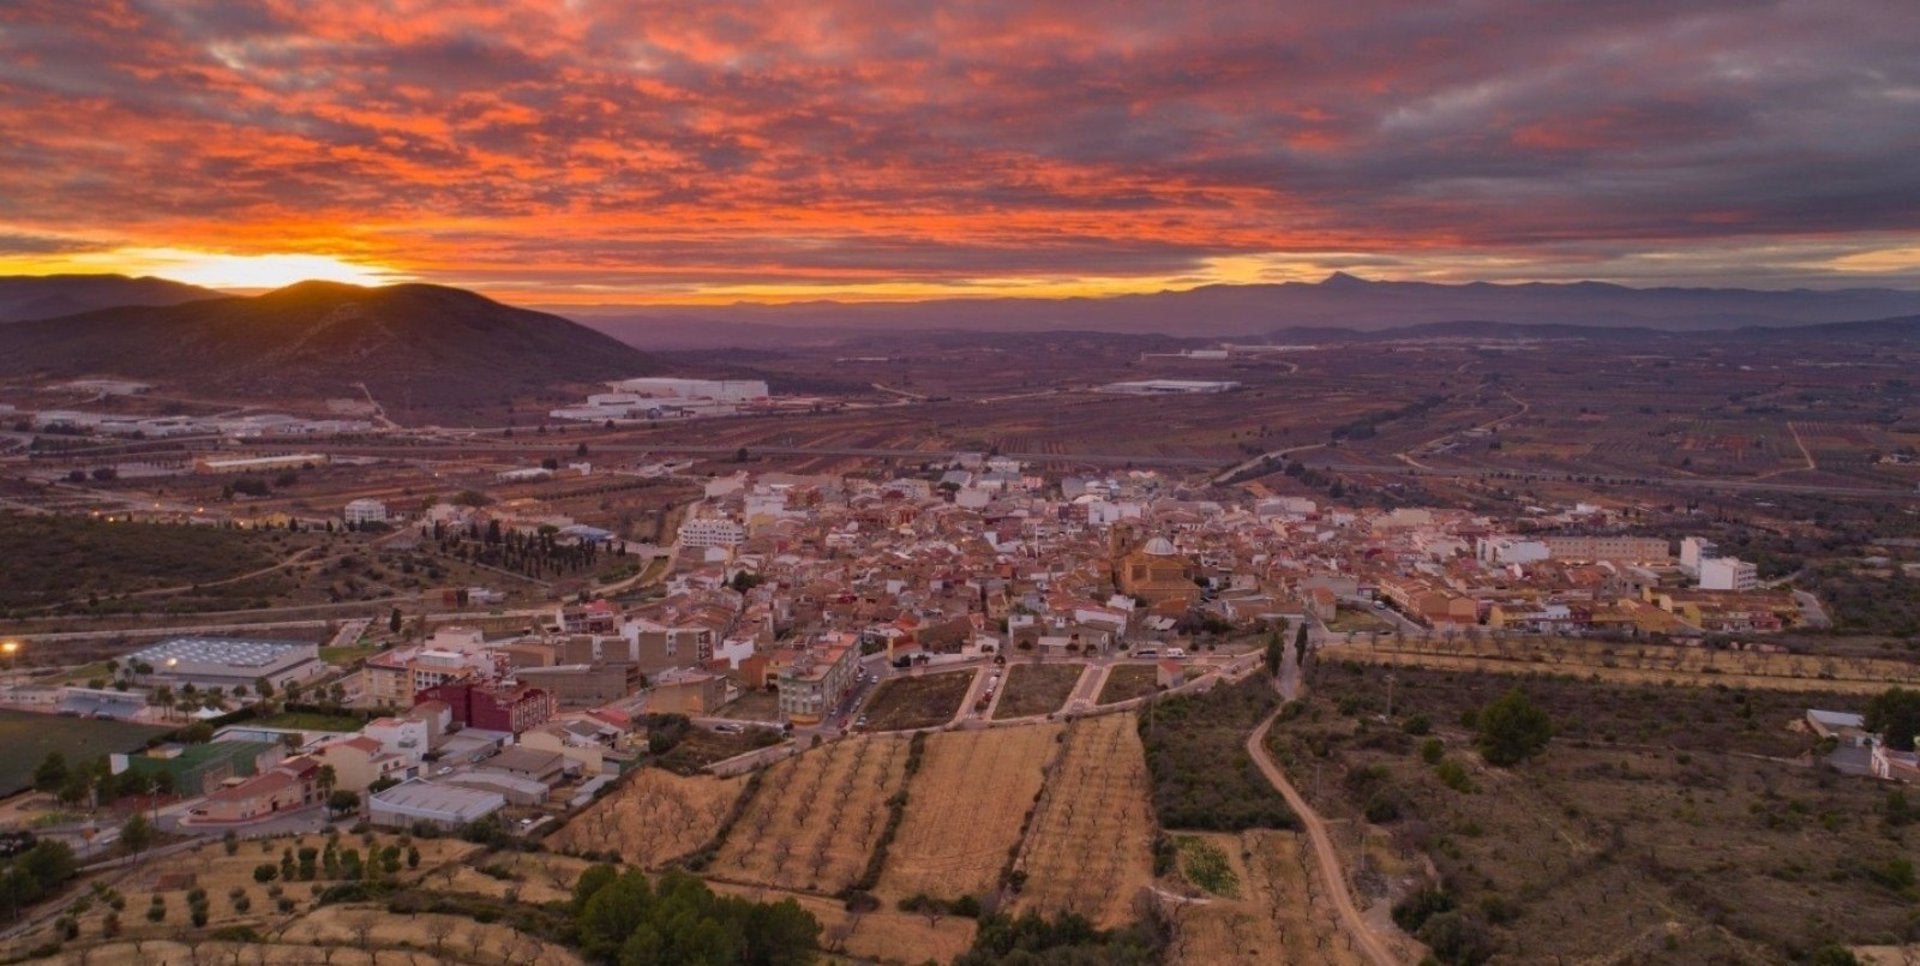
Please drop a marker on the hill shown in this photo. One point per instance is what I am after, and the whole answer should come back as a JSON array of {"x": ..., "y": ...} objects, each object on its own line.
[
  {"x": 425, "y": 352},
  {"x": 1339, "y": 301},
  {"x": 49, "y": 296}
]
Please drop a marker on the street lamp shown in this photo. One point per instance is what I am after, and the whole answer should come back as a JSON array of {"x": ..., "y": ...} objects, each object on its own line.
[{"x": 11, "y": 649}]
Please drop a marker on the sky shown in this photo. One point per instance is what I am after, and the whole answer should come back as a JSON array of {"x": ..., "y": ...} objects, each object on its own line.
[{"x": 644, "y": 153}]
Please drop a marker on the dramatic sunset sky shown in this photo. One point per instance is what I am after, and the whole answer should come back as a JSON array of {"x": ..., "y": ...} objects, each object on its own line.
[{"x": 594, "y": 151}]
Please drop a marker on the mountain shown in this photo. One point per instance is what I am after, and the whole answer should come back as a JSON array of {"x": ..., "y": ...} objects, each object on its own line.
[
  {"x": 1341, "y": 300},
  {"x": 48, "y": 296},
  {"x": 423, "y": 351}
]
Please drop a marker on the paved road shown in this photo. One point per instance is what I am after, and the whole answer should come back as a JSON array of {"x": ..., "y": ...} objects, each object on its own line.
[{"x": 1325, "y": 856}]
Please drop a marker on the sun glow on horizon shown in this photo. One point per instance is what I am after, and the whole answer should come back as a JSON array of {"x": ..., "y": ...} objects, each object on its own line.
[{"x": 212, "y": 269}]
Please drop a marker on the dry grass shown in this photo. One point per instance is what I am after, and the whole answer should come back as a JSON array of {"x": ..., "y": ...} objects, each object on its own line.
[
  {"x": 924, "y": 701},
  {"x": 654, "y": 817},
  {"x": 1125, "y": 681},
  {"x": 1036, "y": 689},
  {"x": 1279, "y": 917},
  {"x": 816, "y": 817},
  {"x": 1089, "y": 849},
  {"x": 965, "y": 809},
  {"x": 160, "y": 951}
]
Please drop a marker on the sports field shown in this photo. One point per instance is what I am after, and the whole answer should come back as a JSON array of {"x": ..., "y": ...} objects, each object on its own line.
[{"x": 25, "y": 739}]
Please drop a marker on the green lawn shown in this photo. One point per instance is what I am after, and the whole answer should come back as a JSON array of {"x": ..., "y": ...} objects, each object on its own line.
[
  {"x": 344, "y": 656},
  {"x": 311, "y": 721},
  {"x": 26, "y": 738}
]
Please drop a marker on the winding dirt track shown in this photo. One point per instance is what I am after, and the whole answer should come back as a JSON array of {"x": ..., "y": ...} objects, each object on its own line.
[{"x": 1324, "y": 856}]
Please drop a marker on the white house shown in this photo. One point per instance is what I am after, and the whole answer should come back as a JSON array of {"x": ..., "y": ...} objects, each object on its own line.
[{"x": 365, "y": 511}]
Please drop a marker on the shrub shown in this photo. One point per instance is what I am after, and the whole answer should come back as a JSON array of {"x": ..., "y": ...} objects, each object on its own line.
[{"x": 1512, "y": 729}]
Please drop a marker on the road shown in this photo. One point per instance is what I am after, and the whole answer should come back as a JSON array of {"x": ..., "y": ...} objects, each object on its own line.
[{"x": 1324, "y": 854}]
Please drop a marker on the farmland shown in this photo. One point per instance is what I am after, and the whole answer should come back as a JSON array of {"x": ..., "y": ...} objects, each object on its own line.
[
  {"x": 925, "y": 701},
  {"x": 27, "y": 738},
  {"x": 653, "y": 818},
  {"x": 1088, "y": 850},
  {"x": 966, "y": 810},
  {"x": 1036, "y": 689},
  {"x": 813, "y": 823},
  {"x": 1277, "y": 915}
]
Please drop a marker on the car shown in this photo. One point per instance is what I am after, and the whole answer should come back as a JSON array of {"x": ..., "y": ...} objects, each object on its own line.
[
  {"x": 1147, "y": 652},
  {"x": 727, "y": 729},
  {"x": 860, "y": 722},
  {"x": 1176, "y": 652}
]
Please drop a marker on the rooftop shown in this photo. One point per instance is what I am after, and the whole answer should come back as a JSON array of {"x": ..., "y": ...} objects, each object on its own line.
[{"x": 231, "y": 651}]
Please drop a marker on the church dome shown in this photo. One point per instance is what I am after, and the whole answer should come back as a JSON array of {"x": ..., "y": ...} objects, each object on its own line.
[{"x": 1159, "y": 547}]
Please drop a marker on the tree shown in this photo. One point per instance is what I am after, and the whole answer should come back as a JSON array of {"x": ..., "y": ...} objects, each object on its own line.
[
  {"x": 1895, "y": 716},
  {"x": 1512, "y": 730},
  {"x": 326, "y": 778},
  {"x": 342, "y": 802},
  {"x": 51, "y": 773},
  {"x": 137, "y": 834},
  {"x": 1275, "y": 655},
  {"x": 393, "y": 621},
  {"x": 1300, "y": 645}
]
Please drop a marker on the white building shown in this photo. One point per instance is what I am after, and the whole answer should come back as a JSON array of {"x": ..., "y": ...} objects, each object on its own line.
[
  {"x": 1693, "y": 550},
  {"x": 723, "y": 390},
  {"x": 1728, "y": 573},
  {"x": 712, "y": 532},
  {"x": 365, "y": 511},
  {"x": 1512, "y": 550},
  {"x": 1168, "y": 387},
  {"x": 444, "y": 806}
]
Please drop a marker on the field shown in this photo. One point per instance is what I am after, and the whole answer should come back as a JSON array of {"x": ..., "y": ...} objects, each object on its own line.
[
  {"x": 884, "y": 935},
  {"x": 702, "y": 747},
  {"x": 1662, "y": 823},
  {"x": 234, "y": 897},
  {"x": 1636, "y": 663},
  {"x": 1089, "y": 848},
  {"x": 311, "y": 721},
  {"x": 46, "y": 560},
  {"x": 652, "y": 818},
  {"x": 1127, "y": 681},
  {"x": 26, "y": 738},
  {"x": 965, "y": 811},
  {"x": 1036, "y": 689},
  {"x": 1278, "y": 914},
  {"x": 816, "y": 817},
  {"x": 926, "y": 701}
]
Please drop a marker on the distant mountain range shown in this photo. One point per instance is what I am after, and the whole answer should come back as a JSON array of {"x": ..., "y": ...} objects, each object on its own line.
[
  {"x": 1340, "y": 301},
  {"x": 430, "y": 350},
  {"x": 47, "y": 296}
]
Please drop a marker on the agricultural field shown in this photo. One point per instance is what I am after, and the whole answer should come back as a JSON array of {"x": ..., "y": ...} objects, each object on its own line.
[
  {"x": 1662, "y": 822},
  {"x": 1036, "y": 689},
  {"x": 1088, "y": 849},
  {"x": 1128, "y": 681},
  {"x": 923, "y": 701},
  {"x": 26, "y": 738},
  {"x": 885, "y": 935},
  {"x": 1275, "y": 914},
  {"x": 654, "y": 817},
  {"x": 232, "y": 893},
  {"x": 816, "y": 817},
  {"x": 1636, "y": 663},
  {"x": 965, "y": 811}
]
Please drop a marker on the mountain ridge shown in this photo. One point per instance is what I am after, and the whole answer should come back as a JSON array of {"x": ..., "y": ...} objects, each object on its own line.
[
  {"x": 28, "y": 297},
  {"x": 443, "y": 351}
]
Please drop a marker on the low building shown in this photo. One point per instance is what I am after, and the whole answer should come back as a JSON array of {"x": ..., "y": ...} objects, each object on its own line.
[
  {"x": 441, "y": 806},
  {"x": 712, "y": 532},
  {"x": 545, "y": 767},
  {"x": 204, "y": 768},
  {"x": 232, "y": 663},
  {"x": 360, "y": 761},
  {"x": 288, "y": 787},
  {"x": 362, "y": 512},
  {"x": 687, "y": 691}
]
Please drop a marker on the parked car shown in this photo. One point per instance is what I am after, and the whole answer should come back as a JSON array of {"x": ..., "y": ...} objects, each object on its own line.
[{"x": 727, "y": 729}]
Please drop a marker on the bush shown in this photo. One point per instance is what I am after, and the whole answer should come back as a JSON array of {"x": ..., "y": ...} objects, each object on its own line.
[
  {"x": 1454, "y": 775},
  {"x": 1197, "y": 760},
  {"x": 1413, "y": 911},
  {"x": 1512, "y": 729}
]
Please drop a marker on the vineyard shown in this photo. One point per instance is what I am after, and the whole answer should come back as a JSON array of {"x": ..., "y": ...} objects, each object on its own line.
[
  {"x": 653, "y": 819},
  {"x": 968, "y": 806},
  {"x": 815, "y": 820},
  {"x": 1278, "y": 916},
  {"x": 1089, "y": 848}
]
